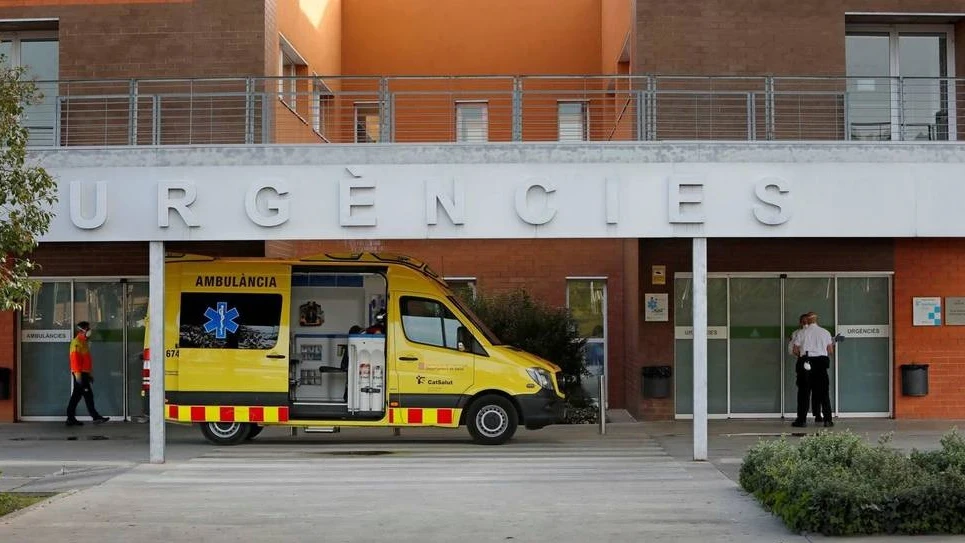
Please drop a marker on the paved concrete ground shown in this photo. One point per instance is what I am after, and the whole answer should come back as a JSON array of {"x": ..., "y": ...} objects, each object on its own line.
[{"x": 562, "y": 483}]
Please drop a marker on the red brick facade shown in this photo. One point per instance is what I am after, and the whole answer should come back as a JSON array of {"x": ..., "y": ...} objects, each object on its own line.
[{"x": 933, "y": 267}]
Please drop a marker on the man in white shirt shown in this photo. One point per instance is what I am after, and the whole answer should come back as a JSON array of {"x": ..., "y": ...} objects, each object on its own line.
[
  {"x": 815, "y": 345},
  {"x": 803, "y": 376}
]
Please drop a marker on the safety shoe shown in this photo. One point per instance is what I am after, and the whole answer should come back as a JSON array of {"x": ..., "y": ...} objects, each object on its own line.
[
  {"x": 101, "y": 420},
  {"x": 74, "y": 422},
  {"x": 828, "y": 423},
  {"x": 799, "y": 424},
  {"x": 818, "y": 419}
]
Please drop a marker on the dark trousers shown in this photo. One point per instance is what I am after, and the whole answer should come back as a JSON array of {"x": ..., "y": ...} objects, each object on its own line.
[
  {"x": 82, "y": 388},
  {"x": 803, "y": 390},
  {"x": 821, "y": 386}
]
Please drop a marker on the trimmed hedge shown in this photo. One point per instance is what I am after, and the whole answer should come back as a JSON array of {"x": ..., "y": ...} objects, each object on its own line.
[{"x": 836, "y": 484}]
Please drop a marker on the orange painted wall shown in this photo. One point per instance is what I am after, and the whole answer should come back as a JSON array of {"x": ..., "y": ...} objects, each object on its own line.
[
  {"x": 929, "y": 267},
  {"x": 460, "y": 37},
  {"x": 314, "y": 30},
  {"x": 617, "y": 29}
]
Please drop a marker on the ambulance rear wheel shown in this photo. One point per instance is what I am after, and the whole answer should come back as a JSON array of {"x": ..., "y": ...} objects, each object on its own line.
[
  {"x": 255, "y": 430},
  {"x": 492, "y": 420},
  {"x": 225, "y": 433}
]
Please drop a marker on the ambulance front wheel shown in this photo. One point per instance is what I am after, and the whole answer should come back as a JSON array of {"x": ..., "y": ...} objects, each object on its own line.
[
  {"x": 226, "y": 433},
  {"x": 492, "y": 420}
]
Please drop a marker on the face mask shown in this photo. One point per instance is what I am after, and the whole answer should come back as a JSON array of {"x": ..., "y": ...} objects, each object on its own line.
[{"x": 87, "y": 333}]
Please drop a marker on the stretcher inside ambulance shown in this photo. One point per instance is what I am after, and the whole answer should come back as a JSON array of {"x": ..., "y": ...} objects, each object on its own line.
[{"x": 339, "y": 340}]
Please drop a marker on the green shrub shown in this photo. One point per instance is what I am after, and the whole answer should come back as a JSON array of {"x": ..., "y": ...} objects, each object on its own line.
[
  {"x": 836, "y": 484},
  {"x": 549, "y": 332}
]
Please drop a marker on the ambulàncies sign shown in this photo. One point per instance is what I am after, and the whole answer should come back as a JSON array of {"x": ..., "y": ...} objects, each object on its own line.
[{"x": 436, "y": 201}]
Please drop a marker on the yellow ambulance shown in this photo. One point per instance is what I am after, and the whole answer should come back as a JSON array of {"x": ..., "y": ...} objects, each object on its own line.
[{"x": 339, "y": 340}]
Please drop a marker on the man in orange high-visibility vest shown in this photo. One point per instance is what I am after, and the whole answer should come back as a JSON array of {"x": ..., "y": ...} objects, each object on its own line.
[{"x": 80, "y": 369}]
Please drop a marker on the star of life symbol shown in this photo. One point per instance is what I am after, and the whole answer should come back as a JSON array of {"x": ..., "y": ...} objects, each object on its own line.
[
  {"x": 221, "y": 320},
  {"x": 652, "y": 304}
]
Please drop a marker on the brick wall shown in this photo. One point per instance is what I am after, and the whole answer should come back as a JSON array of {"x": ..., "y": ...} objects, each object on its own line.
[
  {"x": 540, "y": 266},
  {"x": 942, "y": 347},
  {"x": 8, "y": 359},
  {"x": 734, "y": 255},
  {"x": 157, "y": 39},
  {"x": 754, "y": 37}
]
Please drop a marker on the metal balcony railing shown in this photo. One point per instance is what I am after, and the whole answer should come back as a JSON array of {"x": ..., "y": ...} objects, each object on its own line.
[{"x": 472, "y": 109}]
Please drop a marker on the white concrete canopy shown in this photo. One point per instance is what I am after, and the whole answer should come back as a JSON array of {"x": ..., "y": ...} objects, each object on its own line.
[{"x": 508, "y": 191}]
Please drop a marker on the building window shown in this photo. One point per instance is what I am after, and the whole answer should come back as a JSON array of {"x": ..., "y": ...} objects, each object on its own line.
[
  {"x": 291, "y": 67},
  {"x": 39, "y": 54},
  {"x": 463, "y": 287},
  {"x": 586, "y": 300},
  {"x": 367, "y": 121},
  {"x": 222, "y": 320},
  {"x": 573, "y": 121},
  {"x": 917, "y": 107},
  {"x": 472, "y": 122},
  {"x": 322, "y": 99}
]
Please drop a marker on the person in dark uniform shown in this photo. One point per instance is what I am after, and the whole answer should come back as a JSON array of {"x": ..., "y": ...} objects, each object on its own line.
[
  {"x": 379, "y": 326},
  {"x": 802, "y": 377}
]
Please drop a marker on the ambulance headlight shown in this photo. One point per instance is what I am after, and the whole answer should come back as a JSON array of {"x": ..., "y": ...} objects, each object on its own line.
[{"x": 541, "y": 377}]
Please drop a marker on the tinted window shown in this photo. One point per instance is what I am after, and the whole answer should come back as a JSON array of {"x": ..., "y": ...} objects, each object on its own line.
[
  {"x": 429, "y": 322},
  {"x": 213, "y": 320}
]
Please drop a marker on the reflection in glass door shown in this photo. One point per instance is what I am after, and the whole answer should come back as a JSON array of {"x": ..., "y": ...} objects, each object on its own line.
[
  {"x": 46, "y": 326},
  {"x": 755, "y": 345},
  {"x": 716, "y": 346},
  {"x": 586, "y": 300},
  {"x": 135, "y": 323},
  {"x": 864, "y": 358},
  {"x": 102, "y": 305}
]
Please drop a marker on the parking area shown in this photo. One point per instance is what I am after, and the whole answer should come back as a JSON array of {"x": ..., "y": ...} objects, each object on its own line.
[{"x": 561, "y": 483}]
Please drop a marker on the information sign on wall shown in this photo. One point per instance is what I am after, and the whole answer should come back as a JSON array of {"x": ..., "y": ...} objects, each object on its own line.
[
  {"x": 927, "y": 311},
  {"x": 955, "y": 310},
  {"x": 656, "y": 307}
]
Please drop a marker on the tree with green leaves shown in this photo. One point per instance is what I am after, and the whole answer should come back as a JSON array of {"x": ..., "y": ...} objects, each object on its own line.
[{"x": 27, "y": 191}]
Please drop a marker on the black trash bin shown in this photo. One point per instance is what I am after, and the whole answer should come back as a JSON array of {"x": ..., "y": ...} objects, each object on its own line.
[
  {"x": 656, "y": 381},
  {"x": 5, "y": 387},
  {"x": 914, "y": 379}
]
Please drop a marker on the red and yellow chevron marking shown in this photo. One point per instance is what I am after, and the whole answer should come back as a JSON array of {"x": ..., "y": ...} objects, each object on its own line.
[
  {"x": 418, "y": 416},
  {"x": 226, "y": 413}
]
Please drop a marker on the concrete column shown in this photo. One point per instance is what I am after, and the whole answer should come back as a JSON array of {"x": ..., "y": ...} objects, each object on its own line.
[
  {"x": 156, "y": 314},
  {"x": 700, "y": 348}
]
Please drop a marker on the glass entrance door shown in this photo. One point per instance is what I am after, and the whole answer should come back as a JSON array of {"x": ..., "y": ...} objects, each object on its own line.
[
  {"x": 716, "y": 346},
  {"x": 116, "y": 310},
  {"x": 750, "y": 320},
  {"x": 864, "y": 358},
  {"x": 802, "y": 295},
  {"x": 755, "y": 345},
  {"x": 102, "y": 305}
]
